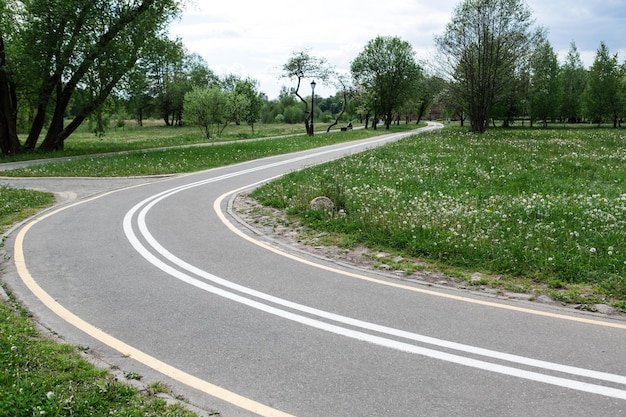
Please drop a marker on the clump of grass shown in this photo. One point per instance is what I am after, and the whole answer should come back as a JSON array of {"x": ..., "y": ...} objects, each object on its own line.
[
  {"x": 18, "y": 204},
  {"x": 546, "y": 205}
]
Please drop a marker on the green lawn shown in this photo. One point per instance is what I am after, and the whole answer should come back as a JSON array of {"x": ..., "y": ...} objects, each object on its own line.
[
  {"x": 530, "y": 207},
  {"x": 188, "y": 159},
  {"x": 154, "y": 134}
]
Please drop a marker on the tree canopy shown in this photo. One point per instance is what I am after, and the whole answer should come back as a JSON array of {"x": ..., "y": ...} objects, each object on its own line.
[
  {"x": 387, "y": 68},
  {"x": 51, "y": 50},
  {"x": 301, "y": 66},
  {"x": 605, "y": 93},
  {"x": 483, "y": 46}
]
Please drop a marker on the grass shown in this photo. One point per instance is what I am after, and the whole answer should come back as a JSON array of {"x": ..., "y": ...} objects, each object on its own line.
[
  {"x": 543, "y": 208},
  {"x": 153, "y": 135},
  {"x": 18, "y": 204},
  {"x": 39, "y": 377},
  {"x": 184, "y": 159}
]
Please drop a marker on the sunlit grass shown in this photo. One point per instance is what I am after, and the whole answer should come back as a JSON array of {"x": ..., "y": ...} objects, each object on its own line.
[
  {"x": 177, "y": 160},
  {"x": 154, "y": 134},
  {"x": 546, "y": 205},
  {"x": 18, "y": 204}
]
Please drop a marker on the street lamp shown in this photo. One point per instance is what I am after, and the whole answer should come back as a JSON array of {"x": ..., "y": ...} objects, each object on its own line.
[
  {"x": 312, "y": 105},
  {"x": 375, "y": 120}
]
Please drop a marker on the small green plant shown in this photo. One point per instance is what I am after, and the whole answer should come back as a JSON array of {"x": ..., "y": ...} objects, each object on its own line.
[
  {"x": 133, "y": 376},
  {"x": 157, "y": 388}
]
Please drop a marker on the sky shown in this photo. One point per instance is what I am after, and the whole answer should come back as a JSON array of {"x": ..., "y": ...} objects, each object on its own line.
[{"x": 256, "y": 38}]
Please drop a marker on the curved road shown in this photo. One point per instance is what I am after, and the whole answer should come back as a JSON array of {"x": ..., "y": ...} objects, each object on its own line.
[{"x": 160, "y": 280}]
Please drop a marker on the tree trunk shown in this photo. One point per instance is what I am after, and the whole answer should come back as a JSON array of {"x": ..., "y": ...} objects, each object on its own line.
[
  {"x": 9, "y": 142},
  {"x": 388, "y": 120},
  {"x": 343, "y": 109}
]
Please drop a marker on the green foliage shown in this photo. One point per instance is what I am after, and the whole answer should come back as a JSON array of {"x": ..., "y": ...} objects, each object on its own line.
[
  {"x": 546, "y": 205},
  {"x": 388, "y": 70},
  {"x": 544, "y": 88},
  {"x": 484, "y": 46},
  {"x": 602, "y": 98},
  {"x": 59, "y": 48},
  {"x": 573, "y": 79},
  {"x": 251, "y": 102},
  {"x": 208, "y": 109}
]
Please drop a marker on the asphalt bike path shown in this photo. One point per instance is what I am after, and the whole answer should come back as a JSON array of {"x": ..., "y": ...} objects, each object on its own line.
[{"x": 159, "y": 279}]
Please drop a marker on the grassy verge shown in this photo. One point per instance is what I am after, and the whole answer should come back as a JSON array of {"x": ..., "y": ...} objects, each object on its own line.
[
  {"x": 153, "y": 135},
  {"x": 39, "y": 377},
  {"x": 172, "y": 161},
  {"x": 532, "y": 208},
  {"x": 18, "y": 204}
]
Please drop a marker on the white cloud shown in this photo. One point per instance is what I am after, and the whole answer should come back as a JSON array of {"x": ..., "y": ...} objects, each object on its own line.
[{"x": 256, "y": 38}]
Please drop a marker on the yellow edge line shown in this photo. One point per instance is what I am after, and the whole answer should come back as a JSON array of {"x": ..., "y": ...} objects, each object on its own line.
[
  {"x": 234, "y": 229},
  {"x": 118, "y": 345}
]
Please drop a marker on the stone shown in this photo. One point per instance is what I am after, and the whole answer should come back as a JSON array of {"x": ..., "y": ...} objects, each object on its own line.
[
  {"x": 545, "y": 299},
  {"x": 322, "y": 203},
  {"x": 476, "y": 277},
  {"x": 604, "y": 309}
]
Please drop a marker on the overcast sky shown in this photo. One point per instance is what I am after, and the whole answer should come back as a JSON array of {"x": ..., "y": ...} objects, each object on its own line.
[{"x": 255, "y": 38}]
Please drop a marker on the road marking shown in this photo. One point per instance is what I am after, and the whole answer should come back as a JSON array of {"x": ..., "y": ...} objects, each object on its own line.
[
  {"x": 237, "y": 231},
  {"x": 118, "y": 345},
  {"x": 127, "y": 350},
  {"x": 141, "y": 210}
]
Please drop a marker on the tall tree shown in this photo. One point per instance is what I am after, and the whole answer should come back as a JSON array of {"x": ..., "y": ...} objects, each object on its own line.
[
  {"x": 164, "y": 62},
  {"x": 346, "y": 91},
  {"x": 302, "y": 66},
  {"x": 9, "y": 142},
  {"x": 432, "y": 88},
  {"x": 544, "y": 84},
  {"x": 388, "y": 69},
  {"x": 482, "y": 46},
  {"x": 573, "y": 83},
  {"x": 602, "y": 98},
  {"x": 74, "y": 45}
]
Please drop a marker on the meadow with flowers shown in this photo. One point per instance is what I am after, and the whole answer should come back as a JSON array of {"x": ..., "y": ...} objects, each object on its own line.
[{"x": 547, "y": 206}]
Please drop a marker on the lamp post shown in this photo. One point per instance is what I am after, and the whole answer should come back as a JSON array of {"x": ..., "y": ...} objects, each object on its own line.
[
  {"x": 375, "y": 120},
  {"x": 312, "y": 105}
]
